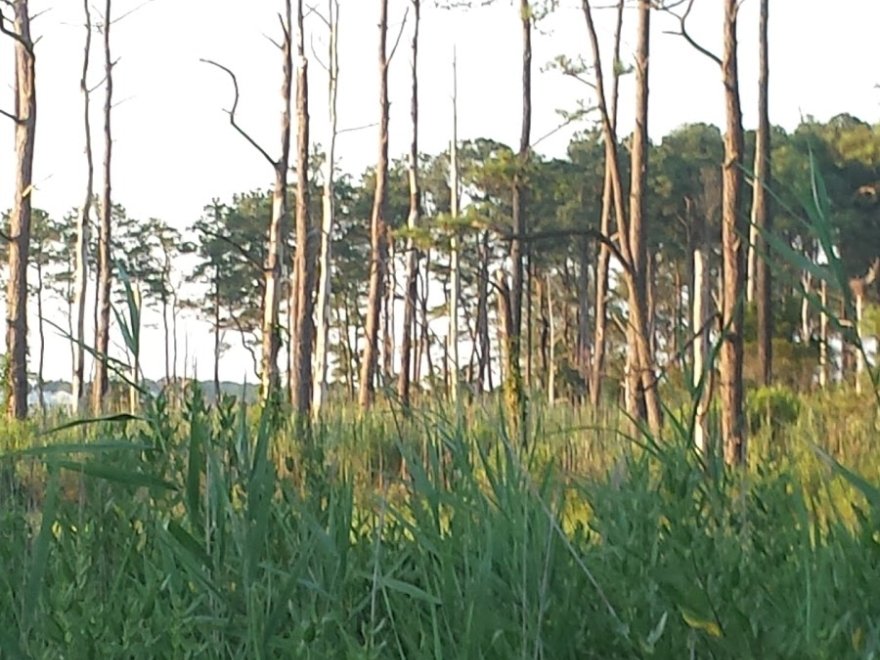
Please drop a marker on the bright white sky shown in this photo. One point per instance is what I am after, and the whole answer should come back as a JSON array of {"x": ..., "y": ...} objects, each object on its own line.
[{"x": 174, "y": 149}]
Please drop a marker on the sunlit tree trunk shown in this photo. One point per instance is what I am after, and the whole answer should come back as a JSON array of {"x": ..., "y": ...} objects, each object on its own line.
[
  {"x": 83, "y": 227},
  {"x": 759, "y": 271},
  {"x": 25, "y": 115},
  {"x": 732, "y": 230},
  {"x": 701, "y": 309},
  {"x": 378, "y": 232},
  {"x": 301, "y": 369},
  {"x": 412, "y": 257},
  {"x": 100, "y": 382},
  {"x": 602, "y": 264}
]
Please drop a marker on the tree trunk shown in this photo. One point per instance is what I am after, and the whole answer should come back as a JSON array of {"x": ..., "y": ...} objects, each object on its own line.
[
  {"x": 731, "y": 367},
  {"x": 761, "y": 220},
  {"x": 601, "y": 315},
  {"x": 504, "y": 324},
  {"x": 301, "y": 385},
  {"x": 551, "y": 368},
  {"x": 513, "y": 378},
  {"x": 133, "y": 393},
  {"x": 412, "y": 257},
  {"x": 83, "y": 227},
  {"x": 102, "y": 332},
  {"x": 378, "y": 233},
  {"x": 216, "y": 333},
  {"x": 328, "y": 219},
  {"x": 271, "y": 331},
  {"x": 701, "y": 324},
  {"x": 484, "y": 375},
  {"x": 20, "y": 217},
  {"x": 583, "y": 355},
  {"x": 823, "y": 336},
  {"x": 454, "y": 268},
  {"x": 41, "y": 393}
]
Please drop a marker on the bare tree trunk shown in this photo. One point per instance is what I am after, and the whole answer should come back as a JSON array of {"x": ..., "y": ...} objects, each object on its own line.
[
  {"x": 328, "y": 220},
  {"x": 702, "y": 314},
  {"x": 484, "y": 375},
  {"x": 504, "y": 323},
  {"x": 731, "y": 367},
  {"x": 857, "y": 285},
  {"x": 551, "y": 369},
  {"x": 83, "y": 227},
  {"x": 601, "y": 314},
  {"x": 301, "y": 385},
  {"x": 454, "y": 268},
  {"x": 102, "y": 331},
  {"x": 758, "y": 264},
  {"x": 378, "y": 232},
  {"x": 25, "y": 115},
  {"x": 412, "y": 257},
  {"x": 583, "y": 355},
  {"x": 513, "y": 378},
  {"x": 630, "y": 240},
  {"x": 133, "y": 393}
]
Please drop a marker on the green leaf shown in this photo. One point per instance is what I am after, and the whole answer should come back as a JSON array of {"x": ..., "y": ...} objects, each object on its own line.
[{"x": 118, "y": 475}]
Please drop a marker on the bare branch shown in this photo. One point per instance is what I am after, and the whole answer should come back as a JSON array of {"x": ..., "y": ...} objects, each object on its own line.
[
  {"x": 356, "y": 128},
  {"x": 130, "y": 12},
  {"x": 15, "y": 36},
  {"x": 682, "y": 30},
  {"x": 399, "y": 35},
  {"x": 231, "y": 113},
  {"x": 11, "y": 116}
]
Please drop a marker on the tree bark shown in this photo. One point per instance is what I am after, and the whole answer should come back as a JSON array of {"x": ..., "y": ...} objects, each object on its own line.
[
  {"x": 301, "y": 369},
  {"x": 20, "y": 218},
  {"x": 328, "y": 219},
  {"x": 484, "y": 371},
  {"x": 83, "y": 227},
  {"x": 702, "y": 314},
  {"x": 100, "y": 382},
  {"x": 602, "y": 263},
  {"x": 454, "y": 267},
  {"x": 761, "y": 220},
  {"x": 731, "y": 366},
  {"x": 378, "y": 231}
]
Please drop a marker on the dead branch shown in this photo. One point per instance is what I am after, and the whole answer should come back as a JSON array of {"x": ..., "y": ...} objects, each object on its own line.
[
  {"x": 399, "y": 35},
  {"x": 231, "y": 113},
  {"x": 15, "y": 36},
  {"x": 682, "y": 29},
  {"x": 11, "y": 116}
]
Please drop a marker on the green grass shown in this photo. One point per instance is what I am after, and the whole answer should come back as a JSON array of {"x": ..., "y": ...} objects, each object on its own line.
[{"x": 216, "y": 533}]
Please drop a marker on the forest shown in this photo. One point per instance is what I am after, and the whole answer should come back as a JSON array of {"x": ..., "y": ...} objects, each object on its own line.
[{"x": 616, "y": 403}]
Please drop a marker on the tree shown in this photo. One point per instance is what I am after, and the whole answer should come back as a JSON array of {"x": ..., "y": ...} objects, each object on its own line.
[
  {"x": 759, "y": 278},
  {"x": 304, "y": 271},
  {"x": 404, "y": 377},
  {"x": 19, "y": 231},
  {"x": 270, "y": 329},
  {"x": 378, "y": 229},
  {"x": 328, "y": 219},
  {"x": 100, "y": 382},
  {"x": 83, "y": 225},
  {"x": 637, "y": 305}
]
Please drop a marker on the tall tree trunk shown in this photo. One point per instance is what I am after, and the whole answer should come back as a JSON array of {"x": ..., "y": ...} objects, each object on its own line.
[
  {"x": 301, "y": 385},
  {"x": 701, "y": 303},
  {"x": 823, "y": 336},
  {"x": 25, "y": 114},
  {"x": 583, "y": 354},
  {"x": 102, "y": 331},
  {"x": 271, "y": 331},
  {"x": 328, "y": 218},
  {"x": 454, "y": 267},
  {"x": 731, "y": 366},
  {"x": 504, "y": 323},
  {"x": 602, "y": 264},
  {"x": 412, "y": 257},
  {"x": 551, "y": 329},
  {"x": 83, "y": 227},
  {"x": 513, "y": 378},
  {"x": 378, "y": 232},
  {"x": 135, "y": 376},
  {"x": 761, "y": 220},
  {"x": 630, "y": 241}
]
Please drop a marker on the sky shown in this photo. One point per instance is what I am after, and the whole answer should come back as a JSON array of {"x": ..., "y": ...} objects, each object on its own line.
[{"x": 174, "y": 150}]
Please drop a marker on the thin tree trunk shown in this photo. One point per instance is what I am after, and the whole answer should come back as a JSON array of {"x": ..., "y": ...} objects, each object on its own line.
[
  {"x": 731, "y": 366},
  {"x": 20, "y": 218},
  {"x": 759, "y": 271},
  {"x": 454, "y": 268},
  {"x": 102, "y": 335},
  {"x": 583, "y": 355},
  {"x": 602, "y": 265},
  {"x": 322, "y": 313},
  {"x": 701, "y": 309},
  {"x": 41, "y": 393},
  {"x": 551, "y": 369},
  {"x": 301, "y": 371},
  {"x": 823, "y": 336},
  {"x": 83, "y": 227},
  {"x": 216, "y": 333},
  {"x": 484, "y": 375},
  {"x": 412, "y": 257},
  {"x": 378, "y": 233},
  {"x": 133, "y": 393}
]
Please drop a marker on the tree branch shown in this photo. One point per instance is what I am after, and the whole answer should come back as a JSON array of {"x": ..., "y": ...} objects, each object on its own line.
[
  {"x": 682, "y": 30},
  {"x": 399, "y": 35},
  {"x": 11, "y": 116},
  {"x": 231, "y": 113},
  {"x": 15, "y": 36}
]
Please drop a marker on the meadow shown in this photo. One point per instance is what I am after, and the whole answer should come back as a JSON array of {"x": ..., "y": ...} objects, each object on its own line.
[{"x": 220, "y": 532}]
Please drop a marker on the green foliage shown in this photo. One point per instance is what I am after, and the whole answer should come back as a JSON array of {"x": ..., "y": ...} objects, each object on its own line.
[{"x": 772, "y": 407}]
